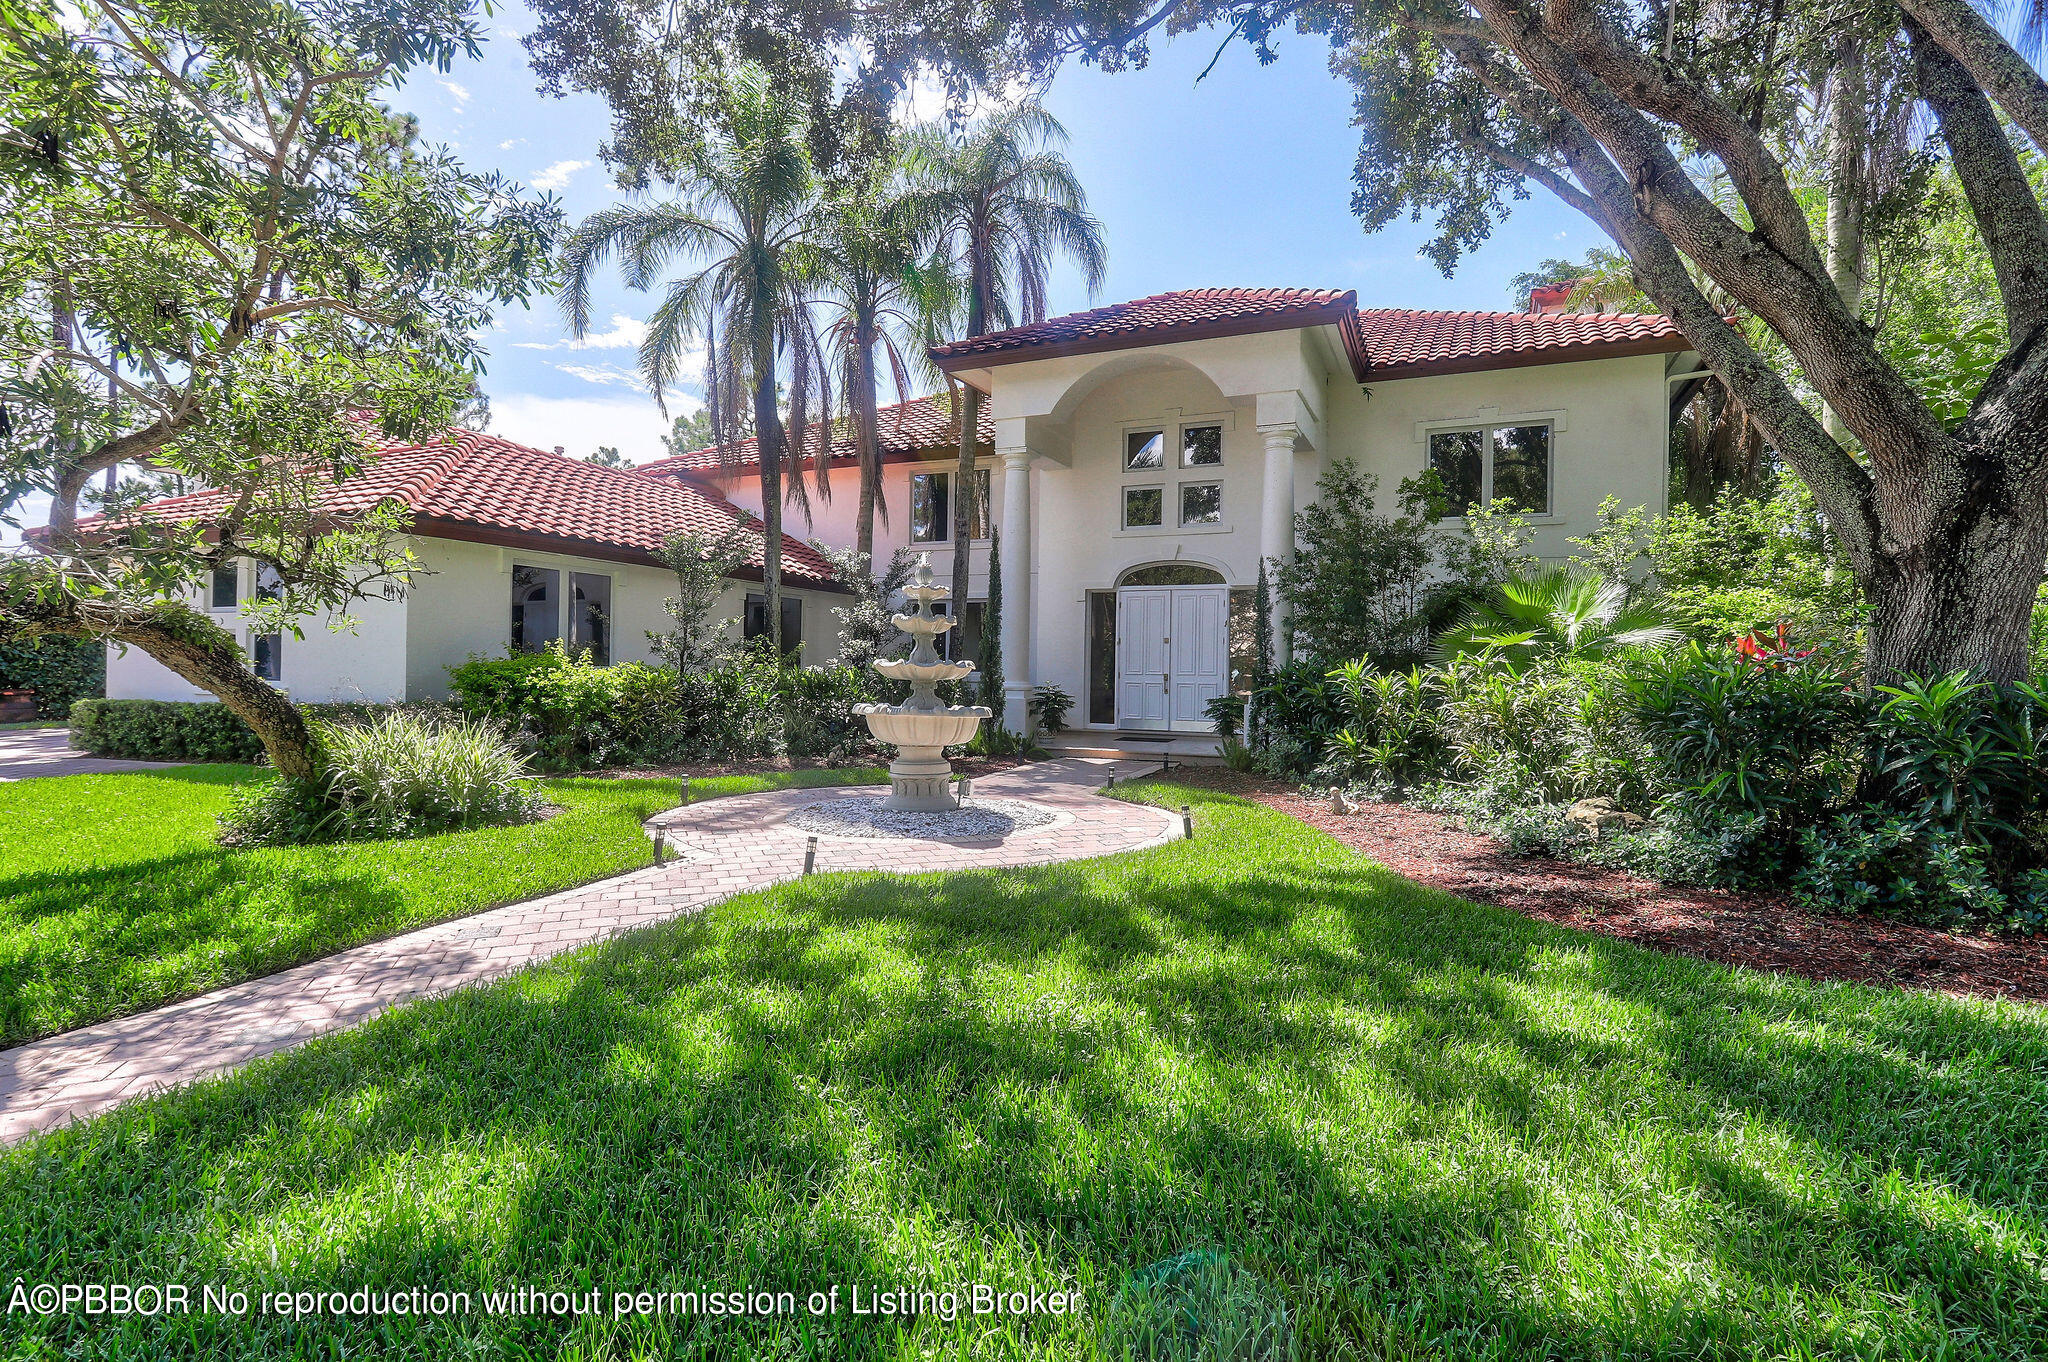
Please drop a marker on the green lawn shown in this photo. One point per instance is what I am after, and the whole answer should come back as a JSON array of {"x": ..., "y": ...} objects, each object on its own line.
[
  {"x": 1431, "y": 1129},
  {"x": 114, "y": 896}
]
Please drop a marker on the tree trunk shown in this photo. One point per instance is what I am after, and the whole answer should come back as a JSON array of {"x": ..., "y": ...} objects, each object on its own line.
[
  {"x": 867, "y": 448},
  {"x": 970, "y": 424},
  {"x": 1847, "y": 131},
  {"x": 1964, "y": 607},
  {"x": 203, "y": 653},
  {"x": 768, "y": 441}
]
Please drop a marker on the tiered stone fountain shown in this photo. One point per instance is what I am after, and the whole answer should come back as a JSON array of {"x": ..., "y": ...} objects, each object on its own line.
[{"x": 921, "y": 728}]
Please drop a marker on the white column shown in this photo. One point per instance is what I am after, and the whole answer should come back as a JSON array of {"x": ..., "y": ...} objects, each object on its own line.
[
  {"x": 1276, "y": 518},
  {"x": 1016, "y": 589}
]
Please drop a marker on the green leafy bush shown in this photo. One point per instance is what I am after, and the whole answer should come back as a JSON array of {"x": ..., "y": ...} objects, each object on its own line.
[
  {"x": 60, "y": 671},
  {"x": 574, "y": 715},
  {"x": 186, "y": 730},
  {"x": 399, "y": 775}
]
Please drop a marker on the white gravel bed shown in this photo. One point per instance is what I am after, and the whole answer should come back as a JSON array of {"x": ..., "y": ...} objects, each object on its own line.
[{"x": 864, "y": 816}]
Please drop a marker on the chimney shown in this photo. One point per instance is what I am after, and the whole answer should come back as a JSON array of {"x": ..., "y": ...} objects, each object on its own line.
[
  {"x": 561, "y": 452},
  {"x": 1552, "y": 297}
]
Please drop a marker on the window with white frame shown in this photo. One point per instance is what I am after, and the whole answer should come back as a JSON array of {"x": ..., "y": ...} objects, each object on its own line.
[
  {"x": 1144, "y": 508},
  {"x": 1480, "y": 465},
  {"x": 931, "y": 507},
  {"x": 1201, "y": 503},
  {"x": 1147, "y": 505}
]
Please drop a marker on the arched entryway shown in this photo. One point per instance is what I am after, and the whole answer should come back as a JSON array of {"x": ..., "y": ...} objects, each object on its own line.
[{"x": 1172, "y": 646}]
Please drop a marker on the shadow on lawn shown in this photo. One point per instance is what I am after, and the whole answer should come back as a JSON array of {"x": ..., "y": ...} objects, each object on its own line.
[{"x": 1062, "y": 1075}]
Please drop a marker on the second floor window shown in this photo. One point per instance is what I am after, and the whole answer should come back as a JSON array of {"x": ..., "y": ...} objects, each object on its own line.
[
  {"x": 931, "y": 507},
  {"x": 1485, "y": 464}
]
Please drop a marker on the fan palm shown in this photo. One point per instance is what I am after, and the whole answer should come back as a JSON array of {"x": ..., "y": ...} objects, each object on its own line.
[
  {"x": 880, "y": 300},
  {"x": 1008, "y": 201},
  {"x": 1559, "y": 612},
  {"x": 748, "y": 216}
]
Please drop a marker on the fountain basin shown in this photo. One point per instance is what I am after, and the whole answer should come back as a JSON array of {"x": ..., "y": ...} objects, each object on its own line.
[
  {"x": 929, "y": 673},
  {"x": 932, "y": 728}
]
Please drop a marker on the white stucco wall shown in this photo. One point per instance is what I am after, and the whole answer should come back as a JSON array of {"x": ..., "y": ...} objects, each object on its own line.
[
  {"x": 332, "y": 662},
  {"x": 459, "y": 602}
]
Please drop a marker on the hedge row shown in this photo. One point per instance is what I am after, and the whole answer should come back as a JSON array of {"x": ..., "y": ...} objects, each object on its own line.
[
  {"x": 182, "y": 730},
  {"x": 60, "y": 672}
]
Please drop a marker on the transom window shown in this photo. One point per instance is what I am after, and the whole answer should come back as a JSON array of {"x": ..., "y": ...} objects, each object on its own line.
[
  {"x": 1176, "y": 504},
  {"x": 1201, "y": 503},
  {"x": 931, "y": 507},
  {"x": 1483, "y": 464}
]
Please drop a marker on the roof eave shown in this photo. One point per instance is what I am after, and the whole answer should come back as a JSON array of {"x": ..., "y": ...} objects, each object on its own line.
[
  {"x": 1523, "y": 359},
  {"x": 470, "y": 532},
  {"x": 1341, "y": 312}
]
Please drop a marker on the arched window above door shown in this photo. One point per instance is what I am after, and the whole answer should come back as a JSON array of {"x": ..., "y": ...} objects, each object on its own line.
[{"x": 1171, "y": 574}]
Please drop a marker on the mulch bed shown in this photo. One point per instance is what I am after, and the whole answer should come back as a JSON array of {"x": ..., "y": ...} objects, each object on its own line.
[{"x": 1751, "y": 930}]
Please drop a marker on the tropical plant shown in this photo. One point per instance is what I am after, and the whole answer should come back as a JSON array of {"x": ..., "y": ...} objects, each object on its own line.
[
  {"x": 748, "y": 211},
  {"x": 701, "y": 564},
  {"x": 1007, "y": 202},
  {"x": 1049, "y": 708},
  {"x": 223, "y": 248},
  {"x": 879, "y": 298},
  {"x": 1560, "y": 612}
]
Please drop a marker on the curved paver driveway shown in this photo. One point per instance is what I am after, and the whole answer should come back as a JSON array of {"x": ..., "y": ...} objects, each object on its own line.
[
  {"x": 26, "y": 752},
  {"x": 722, "y": 847}
]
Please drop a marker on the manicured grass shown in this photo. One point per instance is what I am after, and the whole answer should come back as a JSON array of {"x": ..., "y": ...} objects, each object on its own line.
[
  {"x": 114, "y": 896},
  {"x": 33, "y": 723},
  {"x": 1433, "y": 1129}
]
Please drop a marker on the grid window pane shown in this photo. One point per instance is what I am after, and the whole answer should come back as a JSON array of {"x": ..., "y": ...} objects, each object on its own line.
[
  {"x": 978, "y": 514},
  {"x": 1144, "y": 506},
  {"x": 1454, "y": 455},
  {"x": 1144, "y": 450},
  {"x": 1201, "y": 447},
  {"x": 226, "y": 584},
  {"x": 931, "y": 508},
  {"x": 590, "y": 619},
  {"x": 266, "y": 656},
  {"x": 1201, "y": 503},
  {"x": 536, "y": 608},
  {"x": 1521, "y": 467}
]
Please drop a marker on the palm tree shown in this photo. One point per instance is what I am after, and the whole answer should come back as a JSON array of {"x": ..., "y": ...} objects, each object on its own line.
[
  {"x": 1559, "y": 612},
  {"x": 880, "y": 298},
  {"x": 749, "y": 212},
  {"x": 1007, "y": 197}
]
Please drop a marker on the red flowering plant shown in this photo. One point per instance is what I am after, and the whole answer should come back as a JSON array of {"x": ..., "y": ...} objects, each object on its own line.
[{"x": 1768, "y": 652}]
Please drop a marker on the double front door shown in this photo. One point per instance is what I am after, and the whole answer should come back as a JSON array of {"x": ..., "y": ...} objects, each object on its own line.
[{"x": 1172, "y": 655}]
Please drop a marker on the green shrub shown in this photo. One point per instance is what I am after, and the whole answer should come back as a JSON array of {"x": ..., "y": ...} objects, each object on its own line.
[
  {"x": 399, "y": 775},
  {"x": 60, "y": 671},
  {"x": 1725, "y": 733},
  {"x": 574, "y": 715},
  {"x": 162, "y": 730},
  {"x": 1050, "y": 705},
  {"x": 189, "y": 730}
]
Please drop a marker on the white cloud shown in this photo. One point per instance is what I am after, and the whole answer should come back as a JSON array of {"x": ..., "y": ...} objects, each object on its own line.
[
  {"x": 626, "y": 334},
  {"x": 634, "y": 425},
  {"x": 459, "y": 93},
  {"x": 606, "y": 374},
  {"x": 557, "y": 175},
  {"x": 511, "y": 143}
]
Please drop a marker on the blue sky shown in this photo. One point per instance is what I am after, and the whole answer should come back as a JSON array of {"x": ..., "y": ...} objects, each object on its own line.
[{"x": 1244, "y": 179}]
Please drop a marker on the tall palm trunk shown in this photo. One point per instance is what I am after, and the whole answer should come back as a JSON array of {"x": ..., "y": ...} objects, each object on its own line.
[
  {"x": 768, "y": 440},
  {"x": 970, "y": 423},
  {"x": 867, "y": 439}
]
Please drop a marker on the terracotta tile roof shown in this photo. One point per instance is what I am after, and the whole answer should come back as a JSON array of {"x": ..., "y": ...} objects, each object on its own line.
[
  {"x": 1382, "y": 343},
  {"x": 487, "y": 489},
  {"x": 1189, "y": 314},
  {"x": 906, "y": 427},
  {"x": 1405, "y": 339}
]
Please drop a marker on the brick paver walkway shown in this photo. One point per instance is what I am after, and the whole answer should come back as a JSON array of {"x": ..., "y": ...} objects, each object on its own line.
[
  {"x": 721, "y": 847},
  {"x": 26, "y": 752}
]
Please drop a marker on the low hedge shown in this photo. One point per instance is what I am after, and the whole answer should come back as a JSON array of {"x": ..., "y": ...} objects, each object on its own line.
[
  {"x": 58, "y": 671},
  {"x": 184, "y": 730}
]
